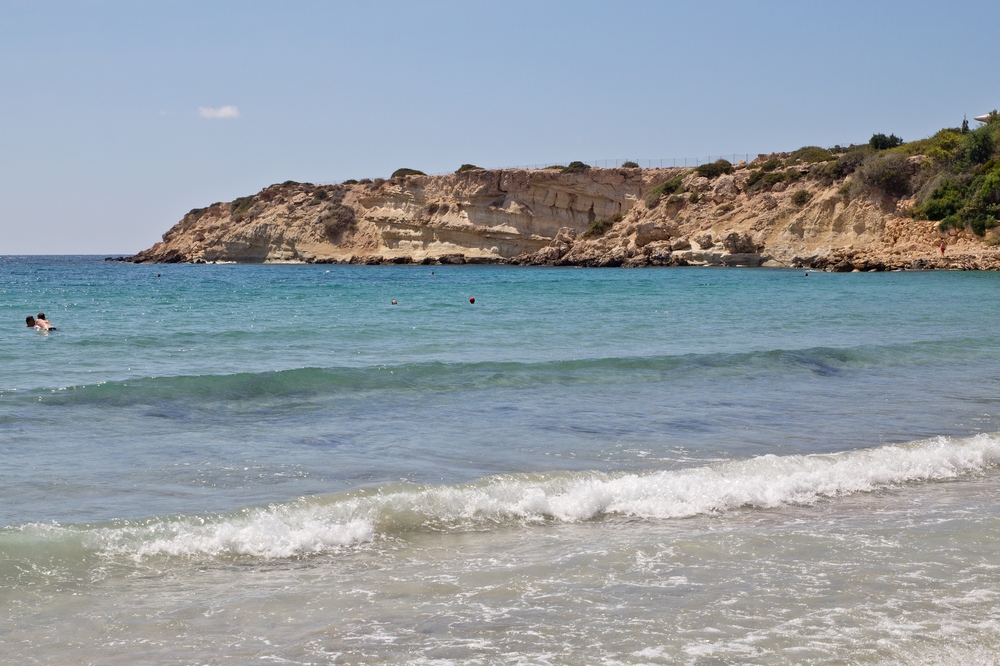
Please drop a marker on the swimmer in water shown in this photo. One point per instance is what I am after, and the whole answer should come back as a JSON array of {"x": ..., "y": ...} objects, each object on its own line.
[{"x": 39, "y": 324}]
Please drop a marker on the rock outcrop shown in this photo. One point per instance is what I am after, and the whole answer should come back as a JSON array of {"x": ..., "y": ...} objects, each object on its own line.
[{"x": 596, "y": 217}]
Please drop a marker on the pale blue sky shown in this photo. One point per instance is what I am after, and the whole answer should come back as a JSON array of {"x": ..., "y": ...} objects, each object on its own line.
[{"x": 103, "y": 147}]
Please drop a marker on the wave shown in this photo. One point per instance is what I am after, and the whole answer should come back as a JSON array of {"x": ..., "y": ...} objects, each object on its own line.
[
  {"x": 329, "y": 523},
  {"x": 441, "y": 376}
]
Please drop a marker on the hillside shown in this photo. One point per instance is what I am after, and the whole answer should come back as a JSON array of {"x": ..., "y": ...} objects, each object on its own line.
[{"x": 883, "y": 205}]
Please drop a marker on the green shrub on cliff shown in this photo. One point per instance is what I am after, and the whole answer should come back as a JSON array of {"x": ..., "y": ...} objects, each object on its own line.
[
  {"x": 715, "y": 169},
  {"x": 944, "y": 201},
  {"x": 760, "y": 181},
  {"x": 810, "y": 154},
  {"x": 601, "y": 227},
  {"x": 965, "y": 200},
  {"x": 849, "y": 162},
  {"x": 672, "y": 186},
  {"x": 978, "y": 146},
  {"x": 630, "y": 165},
  {"x": 882, "y": 142},
  {"x": 576, "y": 167},
  {"x": 883, "y": 174},
  {"x": 239, "y": 207},
  {"x": 941, "y": 148},
  {"x": 801, "y": 197},
  {"x": 468, "y": 167},
  {"x": 962, "y": 179},
  {"x": 336, "y": 220}
]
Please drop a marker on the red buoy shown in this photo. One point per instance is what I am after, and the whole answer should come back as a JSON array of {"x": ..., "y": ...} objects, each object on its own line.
[{"x": 472, "y": 300}]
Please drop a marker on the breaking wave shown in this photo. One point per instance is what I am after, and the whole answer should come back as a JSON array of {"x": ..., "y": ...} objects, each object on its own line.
[{"x": 329, "y": 523}]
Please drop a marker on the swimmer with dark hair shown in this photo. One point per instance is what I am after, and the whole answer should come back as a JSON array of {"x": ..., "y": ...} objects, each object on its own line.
[{"x": 40, "y": 323}]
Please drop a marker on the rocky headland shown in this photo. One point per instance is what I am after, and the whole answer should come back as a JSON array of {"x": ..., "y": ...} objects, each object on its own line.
[{"x": 780, "y": 210}]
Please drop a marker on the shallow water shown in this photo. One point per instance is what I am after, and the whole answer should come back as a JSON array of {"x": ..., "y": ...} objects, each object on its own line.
[{"x": 229, "y": 464}]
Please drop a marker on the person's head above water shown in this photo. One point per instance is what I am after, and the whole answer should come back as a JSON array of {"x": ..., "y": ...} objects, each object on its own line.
[
  {"x": 40, "y": 315},
  {"x": 30, "y": 321}
]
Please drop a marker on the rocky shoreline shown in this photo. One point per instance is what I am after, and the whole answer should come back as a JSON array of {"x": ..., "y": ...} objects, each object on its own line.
[{"x": 595, "y": 217}]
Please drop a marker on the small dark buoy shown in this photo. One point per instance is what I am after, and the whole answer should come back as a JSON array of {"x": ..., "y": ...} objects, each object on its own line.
[
  {"x": 472, "y": 300},
  {"x": 394, "y": 301}
]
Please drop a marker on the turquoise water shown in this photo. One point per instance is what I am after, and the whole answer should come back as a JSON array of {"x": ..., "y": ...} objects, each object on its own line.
[{"x": 229, "y": 464}]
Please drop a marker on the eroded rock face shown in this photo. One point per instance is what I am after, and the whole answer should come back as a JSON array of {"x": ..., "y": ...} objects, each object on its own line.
[
  {"x": 654, "y": 230},
  {"x": 496, "y": 214},
  {"x": 725, "y": 189},
  {"x": 596, "y": 218},
  {"x": 739, "y": 242},
  {"x": 696, "y": 183},
  {"x": 704, "y": 240}
]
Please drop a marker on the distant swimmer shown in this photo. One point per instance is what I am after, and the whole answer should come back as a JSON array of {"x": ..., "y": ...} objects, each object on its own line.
[
  {"x": 40, "y": 324},
  {"x": 394, "y": 302}
]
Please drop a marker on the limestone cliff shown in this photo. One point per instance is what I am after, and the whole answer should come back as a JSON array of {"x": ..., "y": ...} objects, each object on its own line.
[{"x": 595, "y": 217}]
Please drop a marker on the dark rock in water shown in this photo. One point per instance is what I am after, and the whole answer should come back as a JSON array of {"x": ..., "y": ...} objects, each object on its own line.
[
  {"x": 843, "y": 266},
  {"x": 452, "y": 259},
  {"x": 484, "y": 260},
  {"x": 804, "y": 262},
  {"x": 638, "y": 261}
]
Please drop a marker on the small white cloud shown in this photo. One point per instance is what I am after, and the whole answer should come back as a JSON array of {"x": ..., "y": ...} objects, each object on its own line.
[{"x": 221, "y": 113}]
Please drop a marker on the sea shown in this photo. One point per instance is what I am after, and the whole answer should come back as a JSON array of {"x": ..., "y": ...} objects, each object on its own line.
[{"x": 273, "y": 464}]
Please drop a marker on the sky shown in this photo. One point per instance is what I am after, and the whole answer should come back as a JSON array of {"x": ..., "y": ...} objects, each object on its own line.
[{"x": 116, "y": 118}]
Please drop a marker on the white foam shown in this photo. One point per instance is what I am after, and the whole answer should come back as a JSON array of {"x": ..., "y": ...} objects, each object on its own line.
[
  {"x": 765, "y": 482},
  {"x": 275, "y": 532}
]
